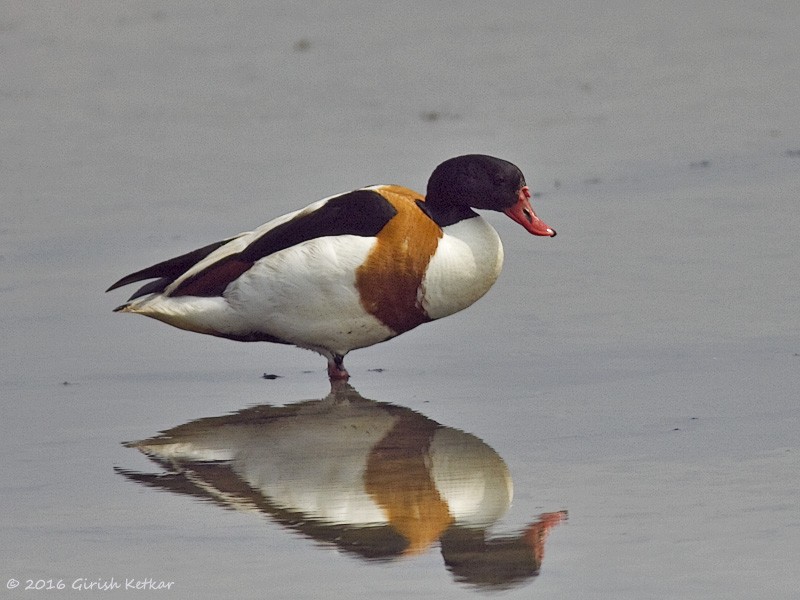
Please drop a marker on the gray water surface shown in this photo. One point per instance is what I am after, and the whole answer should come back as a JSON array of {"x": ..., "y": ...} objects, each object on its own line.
[{"x": 640, "y": 371}]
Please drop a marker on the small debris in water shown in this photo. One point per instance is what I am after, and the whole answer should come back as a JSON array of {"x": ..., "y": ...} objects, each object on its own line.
[
  {"x": 269, "y": 376},
  {"x": 700, "y": 164},
  {"x": 432, "y": 116},
  {"x": 302, "y": 45}
]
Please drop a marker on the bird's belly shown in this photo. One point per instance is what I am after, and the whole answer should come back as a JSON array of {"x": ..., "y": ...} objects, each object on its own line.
[{"x": 306, "y": 295}]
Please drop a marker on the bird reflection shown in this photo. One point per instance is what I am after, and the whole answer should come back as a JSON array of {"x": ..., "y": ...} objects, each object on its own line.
[{"x": 376, "y": 480}]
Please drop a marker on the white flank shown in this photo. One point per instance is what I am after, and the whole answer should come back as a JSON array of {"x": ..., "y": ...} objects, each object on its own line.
[{"x": 304, "y": 295}]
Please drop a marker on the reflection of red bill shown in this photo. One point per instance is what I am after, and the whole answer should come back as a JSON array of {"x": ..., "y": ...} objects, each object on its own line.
[{"x": 536, "y": 535}]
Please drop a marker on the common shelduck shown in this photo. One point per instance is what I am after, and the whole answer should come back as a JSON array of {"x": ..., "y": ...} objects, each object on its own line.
[{"x": 350, "y": 270}]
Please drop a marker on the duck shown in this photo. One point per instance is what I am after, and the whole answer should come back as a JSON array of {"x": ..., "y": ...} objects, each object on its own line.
[{"x": 348, "y": 271}]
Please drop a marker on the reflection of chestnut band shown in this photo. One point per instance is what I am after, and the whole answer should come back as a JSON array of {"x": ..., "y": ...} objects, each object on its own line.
[{"x": 399, "y": 480}]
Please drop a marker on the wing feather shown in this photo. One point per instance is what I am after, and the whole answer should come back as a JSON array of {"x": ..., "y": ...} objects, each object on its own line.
[
  {"x": 166, "y": 271},
  {"x": 209, "y": 270}
]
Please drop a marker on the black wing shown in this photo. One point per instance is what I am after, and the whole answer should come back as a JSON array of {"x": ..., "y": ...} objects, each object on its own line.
[
  {"x": 167, "y": 271},
  {"x": 361, "y": 212}
]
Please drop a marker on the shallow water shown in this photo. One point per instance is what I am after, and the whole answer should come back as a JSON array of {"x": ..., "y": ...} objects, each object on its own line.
[{"x": 640, "y": 371}]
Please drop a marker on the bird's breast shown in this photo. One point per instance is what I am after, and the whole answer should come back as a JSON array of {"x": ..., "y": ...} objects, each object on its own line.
[{"x": 467, "y": 262}]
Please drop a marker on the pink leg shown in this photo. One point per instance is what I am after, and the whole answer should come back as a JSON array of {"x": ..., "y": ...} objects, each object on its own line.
[{"x": 336, "y": 370}]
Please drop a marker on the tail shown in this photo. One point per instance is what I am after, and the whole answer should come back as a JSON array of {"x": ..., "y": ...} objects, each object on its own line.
[{"x": 164, "y": 272}]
